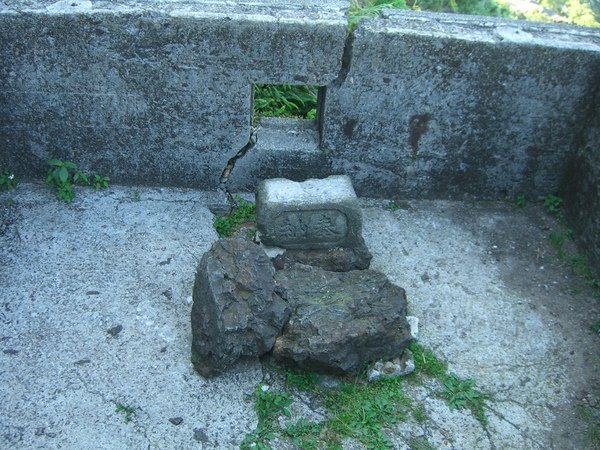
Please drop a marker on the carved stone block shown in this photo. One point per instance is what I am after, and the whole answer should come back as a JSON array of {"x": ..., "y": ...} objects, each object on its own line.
[{"x": 312, "y": 214}]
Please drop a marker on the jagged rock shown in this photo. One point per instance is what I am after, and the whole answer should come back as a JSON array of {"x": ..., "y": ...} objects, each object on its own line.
[
  {"x": 341, "y": 320},
  {"x": 337, "y": 259},
  {"x": 235, "y": 313}
]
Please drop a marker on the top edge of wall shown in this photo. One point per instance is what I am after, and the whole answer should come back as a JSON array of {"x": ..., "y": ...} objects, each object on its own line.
[
  {"x": 484, "y": 29},
  {"x": 306, "y": 11}
]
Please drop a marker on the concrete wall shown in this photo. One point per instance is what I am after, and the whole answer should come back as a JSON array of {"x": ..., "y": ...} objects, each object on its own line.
[
  {"x": 581, "y": 183},
  {"x": 453, "y": 106},
  {"x": 413, "y": 105},
  {"x": 155, "y": 93}
]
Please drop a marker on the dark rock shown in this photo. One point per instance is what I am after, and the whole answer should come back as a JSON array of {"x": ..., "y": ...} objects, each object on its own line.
[
  {"x": 176, "y": 420},
  {"x": 341, "y": 320},
  {"x": 338, "y": 259},
  {"x": 236, "y": 313},
  {"x": 114, "y": 331},
  {"x": 82, "y": 361},
  {"x": 10, "y": 351}
]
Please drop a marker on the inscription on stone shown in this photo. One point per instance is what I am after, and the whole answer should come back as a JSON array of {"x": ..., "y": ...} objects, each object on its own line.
[
  {"x": 312, "y": 214},
  {"x": 311, "y": 227}
]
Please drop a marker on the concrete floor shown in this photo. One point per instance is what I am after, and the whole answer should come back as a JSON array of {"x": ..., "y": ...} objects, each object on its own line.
[{"x": 96, "y": 298}]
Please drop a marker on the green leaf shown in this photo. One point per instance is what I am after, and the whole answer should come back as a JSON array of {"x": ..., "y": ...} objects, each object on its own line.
[{"x": 63, "y": 174}]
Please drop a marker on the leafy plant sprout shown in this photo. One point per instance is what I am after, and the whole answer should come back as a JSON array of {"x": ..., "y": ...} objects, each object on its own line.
[
  {"x": 8, "y": 181},
  {"x": 126, "y": 410},
  {"x": 64, "y": 175}
]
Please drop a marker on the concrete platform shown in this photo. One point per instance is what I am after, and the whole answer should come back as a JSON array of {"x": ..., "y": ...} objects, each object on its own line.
[{"x": 96, "y": 298}]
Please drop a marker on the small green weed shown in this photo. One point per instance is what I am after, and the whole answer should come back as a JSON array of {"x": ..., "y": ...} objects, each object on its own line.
[
  {"x": 419, "y": 413},
  {"x": 426, "y": 362},
  {"x": 100, "y": 182},
  {"x": 135, "y": 197},
  {"x": 420, "y": 443},
  {"x": 461, "y": 394},
  {"x": 63, "y": 175},
  {"x": 596, "y": 326},
  {"x": 557, "y": 240},
  {"x": 244, "y": 212},
  {"x": 303, "y": 381},
  {"x": 268, "y": 406},
  {"x": 520, "y": 200},
  {"x": 356, "y": 409},
  {"x": 592, "y": 419},
  {"x": 553, "y": 205},
  {"x": 8, "y": 181},
  {"x": 393, "y": 206},
  {"x": 457, "y": 392},
  {"x": 305, "y": 434},
  {"x": 127, "y": 411}
]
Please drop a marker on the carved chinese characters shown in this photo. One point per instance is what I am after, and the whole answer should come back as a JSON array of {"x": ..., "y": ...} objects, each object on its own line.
[{"x": 309, "y": 215}]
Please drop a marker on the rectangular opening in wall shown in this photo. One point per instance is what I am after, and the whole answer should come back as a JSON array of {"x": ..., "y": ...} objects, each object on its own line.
[{"x": 284, "y": 100}]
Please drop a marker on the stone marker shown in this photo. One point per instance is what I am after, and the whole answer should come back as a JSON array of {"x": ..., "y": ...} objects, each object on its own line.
[
  {"x": 317, "y": 306},
  {"x": 313, "y": 214}
]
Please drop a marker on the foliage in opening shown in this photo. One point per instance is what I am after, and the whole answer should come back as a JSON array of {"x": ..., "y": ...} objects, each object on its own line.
[{"x": 285, "y": 101}]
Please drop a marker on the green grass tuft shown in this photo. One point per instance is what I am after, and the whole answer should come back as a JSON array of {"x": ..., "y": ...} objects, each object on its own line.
[
  {"x": 361, "y": 411},
  {"x": 461, "y": 394},
  {"x": 301, "y": 380},
  {"x": 426, "y": 362},
  {"x": 127, "y": 411},
  {"x": 244, "y": 212}
]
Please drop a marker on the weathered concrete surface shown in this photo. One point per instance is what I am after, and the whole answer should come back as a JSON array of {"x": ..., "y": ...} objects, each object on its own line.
[
  {"x": 151, "y": 92},
  {"x": 448, "y": 106},
  {"x": 286, "y": 148},
  {"x": 581, "y": 184},
  {"x": 490, "y": 294}
]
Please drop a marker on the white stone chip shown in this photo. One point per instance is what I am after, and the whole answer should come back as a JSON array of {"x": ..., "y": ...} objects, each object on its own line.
[{"x": 414, "y": 326}]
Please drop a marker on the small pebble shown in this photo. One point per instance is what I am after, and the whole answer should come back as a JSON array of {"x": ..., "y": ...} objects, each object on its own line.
[
  {"x": 115, "y": 330},
  {"x": 176, "y": 420}
]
